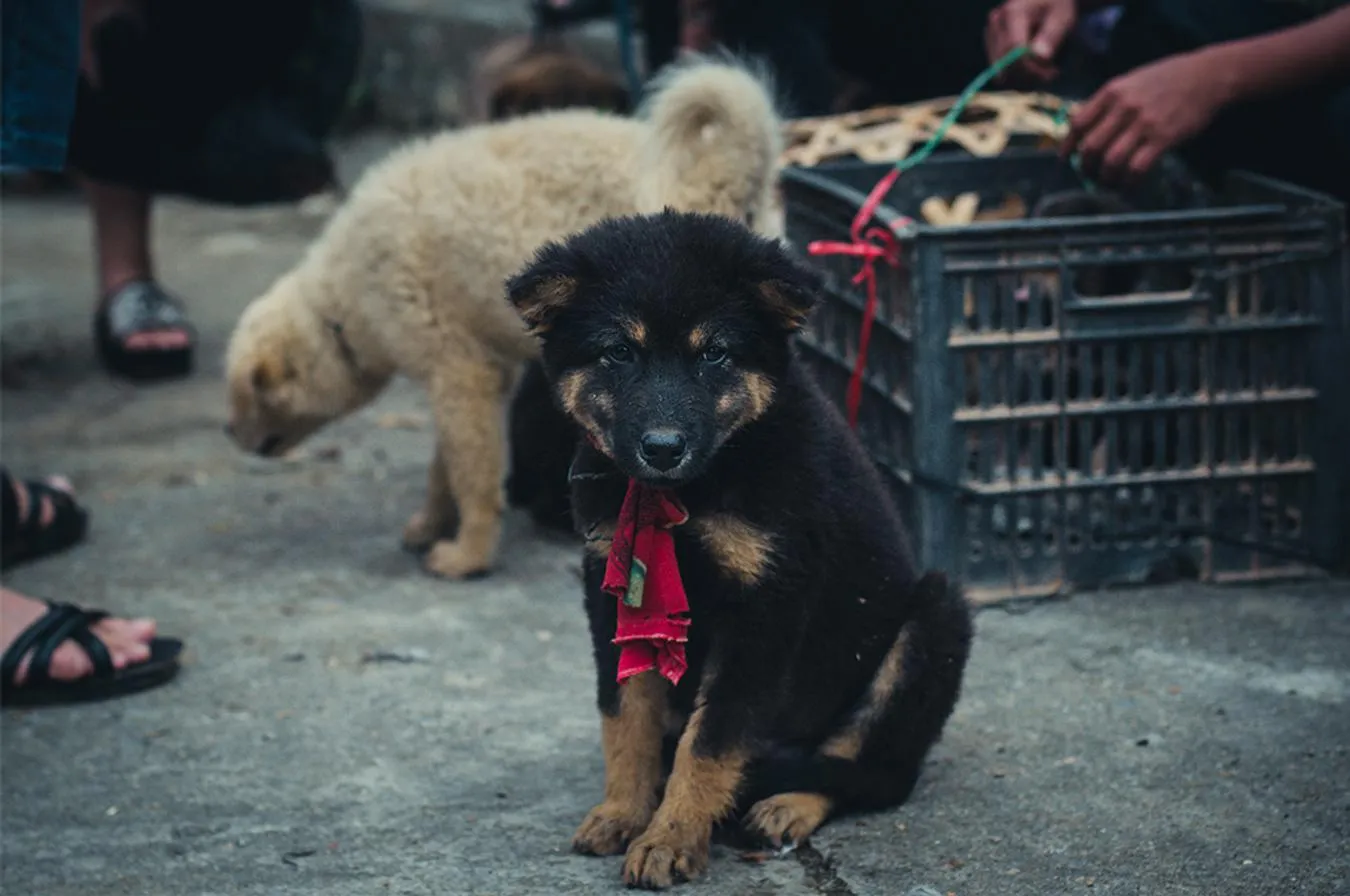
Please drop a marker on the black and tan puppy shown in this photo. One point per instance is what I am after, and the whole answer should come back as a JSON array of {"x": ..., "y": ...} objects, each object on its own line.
[{"x": 819, "y": 668}]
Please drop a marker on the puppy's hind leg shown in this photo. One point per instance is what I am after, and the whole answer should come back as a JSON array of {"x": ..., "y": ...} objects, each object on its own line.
[
  {"x": 469, "y": 396},
  {"x": 873, "y": 761}
]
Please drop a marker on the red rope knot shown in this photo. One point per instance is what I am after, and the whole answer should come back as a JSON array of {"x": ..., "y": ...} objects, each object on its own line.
[{"x": 869, "y": 244}]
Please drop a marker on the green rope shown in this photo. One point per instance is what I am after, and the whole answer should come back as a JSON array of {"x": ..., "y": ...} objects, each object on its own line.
[
  {"x": 1075, "y": 160},
  {"x": 959, "y": 106},
  {"x": 963, "y": 101}
]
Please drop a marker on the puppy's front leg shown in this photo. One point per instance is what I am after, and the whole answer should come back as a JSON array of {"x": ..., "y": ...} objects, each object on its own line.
[
  {"x": 438, "y": 515},
  {"x": 702, "y": 788},
  {"x": 632, "y": 743},
  {"x": 469, "y": 395}
]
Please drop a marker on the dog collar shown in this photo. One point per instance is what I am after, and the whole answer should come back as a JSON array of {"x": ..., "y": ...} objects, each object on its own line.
[
  {"x": 643, "y": 575},
  {"x": 346, "y": 351}
]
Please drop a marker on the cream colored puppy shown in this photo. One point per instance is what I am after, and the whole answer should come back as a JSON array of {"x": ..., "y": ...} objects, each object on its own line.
[{"x": 408, "y": 276}]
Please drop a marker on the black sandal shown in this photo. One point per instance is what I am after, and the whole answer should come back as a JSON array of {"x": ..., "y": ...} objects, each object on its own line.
[
  {"x": 142, "y": 307},
  {"x": 25, "y": 536},
  {"x": 66, "y": 622}
]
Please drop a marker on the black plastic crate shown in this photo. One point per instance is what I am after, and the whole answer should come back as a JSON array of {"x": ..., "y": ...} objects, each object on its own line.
[{"x": 1067, "y": 403}]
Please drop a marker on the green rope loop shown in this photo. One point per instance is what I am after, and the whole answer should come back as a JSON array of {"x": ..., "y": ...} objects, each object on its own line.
[
  {"x": 959, "y": 106},
  {"x": 963, "y": 101}
]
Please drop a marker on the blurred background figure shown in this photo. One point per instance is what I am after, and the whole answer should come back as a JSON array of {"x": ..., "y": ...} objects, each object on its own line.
[
  {"x": 542, "y": 70},
  {"x": 226, "y": 102},
  {"x": 1248, "y": 84},
  {"x": 837, "y": 55}
]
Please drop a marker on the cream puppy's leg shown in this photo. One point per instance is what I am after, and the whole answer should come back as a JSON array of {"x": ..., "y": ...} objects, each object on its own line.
[
  {"x": 469, "y": 396},
  {"x": 439, "y": 516}
]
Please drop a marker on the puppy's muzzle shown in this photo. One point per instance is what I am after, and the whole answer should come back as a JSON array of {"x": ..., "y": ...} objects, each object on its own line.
[{"x": 663, "y": 449}]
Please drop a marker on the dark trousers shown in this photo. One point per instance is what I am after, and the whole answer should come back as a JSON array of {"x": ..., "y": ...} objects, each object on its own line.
[{"x": 40, "y": 58}]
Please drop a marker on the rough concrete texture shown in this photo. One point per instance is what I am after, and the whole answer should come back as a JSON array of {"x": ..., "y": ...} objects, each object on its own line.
[{"x": 1188, "y": 740}]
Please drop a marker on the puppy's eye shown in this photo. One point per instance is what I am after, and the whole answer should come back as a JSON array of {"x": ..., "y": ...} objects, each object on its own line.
[
  {"x": 619, "y": 354},
  {"x": 714, "y": 354}
]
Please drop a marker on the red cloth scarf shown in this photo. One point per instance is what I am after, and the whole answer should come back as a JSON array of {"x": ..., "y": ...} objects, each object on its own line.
[{"x": 643, "y": 575}]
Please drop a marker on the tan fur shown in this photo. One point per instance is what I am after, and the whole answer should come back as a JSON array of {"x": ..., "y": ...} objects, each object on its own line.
[
  {"x": 742, "y": 550},
  {"x": 848, "y": 741},
  {"x": 760, "y": 389},
  {"x": 412, "y": 267},
  {"x": 697, "y": 337},
  {"x": 438, "y": 518},
  {"x": 577, "y": 401},
  {"x": 549, "y": 297},
  {"x": 738, "y": 406},
  {"x": 779, "y": 303},
  {"x": 570, "y": 389},
  {"x": 701, "y": 790},
  {"x": 788, "y": 817},
  {"x": 632, "y": 746},
  {"x": 635, "y": 330}
]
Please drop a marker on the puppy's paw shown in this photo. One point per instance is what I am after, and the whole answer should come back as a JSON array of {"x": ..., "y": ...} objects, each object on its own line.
[
  {"x": 452, "y": 560},
  {"x": 661, "y": 858},
  {"x": 420, "y": 532},
  {"x": 787, "y": 817},
  {"x": 609, "y": 828}
]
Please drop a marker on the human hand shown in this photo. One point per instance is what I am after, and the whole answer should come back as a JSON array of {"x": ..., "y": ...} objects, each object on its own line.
[
  {"x": 1041, "y": 25},
  {"x": 1127, "y": 125}
]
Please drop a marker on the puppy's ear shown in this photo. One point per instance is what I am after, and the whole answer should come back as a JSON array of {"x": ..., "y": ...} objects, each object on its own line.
[
  {"x": 788, "y": 291},
  {"x": 544, "y": 288}
]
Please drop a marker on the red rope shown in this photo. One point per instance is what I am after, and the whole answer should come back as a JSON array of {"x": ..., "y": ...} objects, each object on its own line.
[{"x": 869, "y": 245}]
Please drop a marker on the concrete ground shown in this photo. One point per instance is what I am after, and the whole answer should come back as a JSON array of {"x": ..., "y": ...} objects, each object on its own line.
[{"x": 1191, "y": 740}]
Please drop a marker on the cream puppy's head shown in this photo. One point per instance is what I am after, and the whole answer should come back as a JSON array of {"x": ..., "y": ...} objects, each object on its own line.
[{"x": 290, "y": 370}]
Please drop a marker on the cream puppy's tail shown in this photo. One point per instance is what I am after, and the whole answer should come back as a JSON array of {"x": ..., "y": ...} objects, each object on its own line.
[{"x": 713, "y": 144}]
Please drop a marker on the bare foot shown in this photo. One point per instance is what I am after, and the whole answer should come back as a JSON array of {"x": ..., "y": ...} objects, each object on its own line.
[{"x": 127, "y": 640}]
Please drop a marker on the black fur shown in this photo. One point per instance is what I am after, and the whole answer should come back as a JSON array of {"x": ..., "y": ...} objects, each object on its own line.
[
  {"x": 783, "y": 663},
  {"x": 542, "y": 439}
]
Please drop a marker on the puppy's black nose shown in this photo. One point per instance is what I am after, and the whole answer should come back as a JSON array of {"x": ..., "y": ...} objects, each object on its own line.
[{"x": 663, "y": 449}]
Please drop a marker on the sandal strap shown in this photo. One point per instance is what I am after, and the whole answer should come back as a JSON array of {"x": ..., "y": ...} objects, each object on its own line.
[
  {"x": 66, "y": 511},
  {"x": 24, "y": 643},
  {"x": 28, "y": 537},
  {"x": 74, "y": 627},
  {"x": 62, "y": 622},
  {"x": 143, "y": 306}
]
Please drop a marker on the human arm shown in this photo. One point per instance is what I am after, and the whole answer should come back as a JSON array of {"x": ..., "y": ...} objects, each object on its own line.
[
  {"x": 1286, "y": 60},
  {"x": 1134, "y": 119}
]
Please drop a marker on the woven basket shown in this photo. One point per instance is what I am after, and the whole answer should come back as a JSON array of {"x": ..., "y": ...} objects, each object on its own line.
[{"x": 989, "y": 124}]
